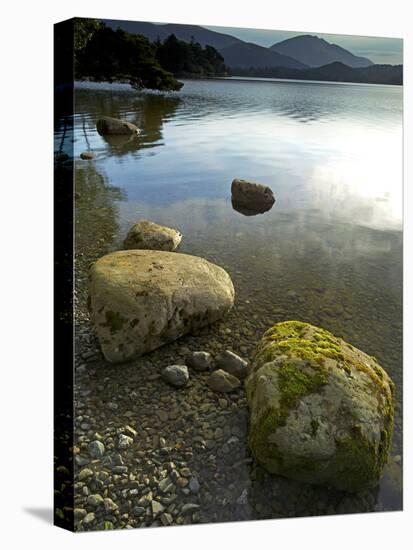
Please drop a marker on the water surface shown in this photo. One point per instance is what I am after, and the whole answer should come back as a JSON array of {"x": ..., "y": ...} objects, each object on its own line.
[{"x": 329, "y": 251}]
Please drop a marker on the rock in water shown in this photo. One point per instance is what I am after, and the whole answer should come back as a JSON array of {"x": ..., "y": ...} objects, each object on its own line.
[
  {"x": 232, "y": 363},
  {"x": 142, "y": 299},
  {"x": 146, "y": 235},
  {"x": 321, "y": 411},
  {"x": 250, "y": 196},
  {"x": 222, "y": 381},
  {"x": 87, "y": 155},
  {"x": 176, "y": 375},
  {"x": 114, "y": 126},
  {"x": 199, "y": 360}
]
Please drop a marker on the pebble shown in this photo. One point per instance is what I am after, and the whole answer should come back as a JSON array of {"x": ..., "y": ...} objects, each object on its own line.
[
  {"x": 85, "y": 474},
  {"x": 109, "y": 505},
  {"x": 145, "y": 500},
  {"x": 176, "y": 375},
  {"x": 89, "y": 518},
  {"x": 199, "y": 360},
  {"x": 222, "y": 381},
  {"x": 96, "y": 449},
  {"x": 157, "y": 508},
  {"x": 94, "y": 500},
  {"x": 233, "y": 364},
  {"x": 124, "y": 441},
  {"x": 193, "y": 485},
  {"x": 166, "y": 518},
  {"x": 189, "y": 508}
]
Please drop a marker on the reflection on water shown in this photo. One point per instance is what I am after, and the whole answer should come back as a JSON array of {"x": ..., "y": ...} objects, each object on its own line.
[{"x": 330, "y": 253}]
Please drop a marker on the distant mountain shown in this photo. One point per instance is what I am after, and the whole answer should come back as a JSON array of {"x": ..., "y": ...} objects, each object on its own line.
[
  {"x": 247, "y": 54},
  {"x": 236, "y": 53},
  {"x": 333, "y": 72},
  {"x": 182, "y": 32},
  {"x": 315, "y": 52}
]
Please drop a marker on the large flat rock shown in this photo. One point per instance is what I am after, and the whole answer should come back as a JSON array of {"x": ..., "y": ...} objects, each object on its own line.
[{"x": 142, "y": 299}]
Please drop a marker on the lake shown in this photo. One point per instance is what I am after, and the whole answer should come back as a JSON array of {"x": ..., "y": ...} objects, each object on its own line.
[{"x": 329, "y": 252}]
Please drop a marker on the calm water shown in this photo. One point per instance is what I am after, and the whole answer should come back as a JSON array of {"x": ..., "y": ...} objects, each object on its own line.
[{"x": 328, "y": 252}]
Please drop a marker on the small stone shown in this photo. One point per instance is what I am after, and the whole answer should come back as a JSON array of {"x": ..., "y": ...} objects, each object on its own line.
[
  {"x": 145, "y": 500},
  {"x": 176, "y": 375},
  {"x": 166, "y": 485},
  {"x": 157, "y": 508},
  {"x": 189, "y": 508},
  {"x": 79, "y": 513},
  {"x": 222, "y": 381},
  {"x": 96, "y": 449},
  {"x": 182, "y": 482},
  {"x": 89, "y": 518},
  {"x": 166, "y": 519},
  {"x": 194, "y": 486},
  {"x": 120, "y": 470},
  {"x": 128, "y": 430},
  {"x": 87, "y": 155},
  {"x": 85, "y": 474},
  {"x": 109, "y": 505},
  {"x": 138, "y": 511},
  {"x": 218, "y": 434},
  {"x": 233, "y": 364},
  {"x": 94, "y": 500},
  {"x": 124, "y": 441},
  {"x": 199, "y": 360}
]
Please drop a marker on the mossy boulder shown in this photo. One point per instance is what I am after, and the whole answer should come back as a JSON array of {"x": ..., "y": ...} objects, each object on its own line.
[
  {"x": 321, "y": 410},
  {"x": 142, "y": 299}
]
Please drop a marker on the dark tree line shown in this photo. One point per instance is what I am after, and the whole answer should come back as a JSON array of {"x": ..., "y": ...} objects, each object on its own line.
[{"x": 103, "y": 54}]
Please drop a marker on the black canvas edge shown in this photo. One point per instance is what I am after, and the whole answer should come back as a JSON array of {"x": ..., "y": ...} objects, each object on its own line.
[{"x": 63, "y": 354}]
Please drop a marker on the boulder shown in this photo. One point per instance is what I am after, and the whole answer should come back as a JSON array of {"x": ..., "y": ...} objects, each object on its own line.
[
  {"x": 321, "y": 410},
  {"x": 199, "y": 360},
  {"x": 221, "y": 381},
  {"x": 113, "y": 126},
  {"x": 232, "y": 363},
  {"x": 146, "y": 235},
  {"x": 251, "y": 197},
  {"x": 142, "y": 299},
  {"x": 176, "y": 375}
]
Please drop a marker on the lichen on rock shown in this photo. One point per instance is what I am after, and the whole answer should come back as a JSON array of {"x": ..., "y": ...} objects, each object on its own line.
[{"x": 321, "y": 411}]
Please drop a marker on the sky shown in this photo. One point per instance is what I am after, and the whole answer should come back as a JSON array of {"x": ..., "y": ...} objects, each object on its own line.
[{"x": 378, "y": 50}]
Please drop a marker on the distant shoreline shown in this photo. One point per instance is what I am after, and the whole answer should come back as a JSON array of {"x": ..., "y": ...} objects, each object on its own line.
[{"x": 126, "y": 86}]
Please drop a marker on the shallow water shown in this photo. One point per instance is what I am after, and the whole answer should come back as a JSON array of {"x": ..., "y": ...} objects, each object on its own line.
[{"x": 329, "y": 251}]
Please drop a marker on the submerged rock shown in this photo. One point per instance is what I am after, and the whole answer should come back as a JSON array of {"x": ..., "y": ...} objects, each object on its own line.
[
  {"x": 232, "y": 363},
  {"x": 142, "y": 299},
  {"x": 222, "y": 381},
  {"x": 146, "y": 235},
  {"x": 108, "y": 125},
  {"x": 176, "y": 375},
  {"x": 251, "y": 197},
  {"x": 321, "y": 411}
]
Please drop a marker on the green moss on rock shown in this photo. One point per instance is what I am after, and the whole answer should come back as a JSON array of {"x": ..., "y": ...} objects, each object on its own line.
[{"x": 321, "y": 410}]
